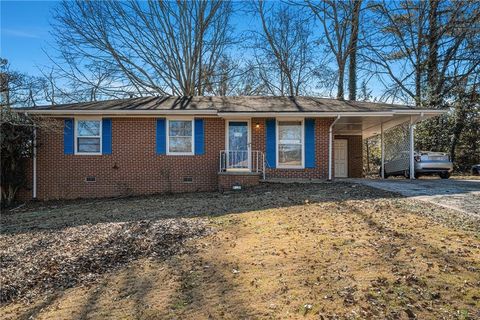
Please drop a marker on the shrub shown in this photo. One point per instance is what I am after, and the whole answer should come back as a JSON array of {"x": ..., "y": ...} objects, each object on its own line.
[{"x": 16, "y": 141}]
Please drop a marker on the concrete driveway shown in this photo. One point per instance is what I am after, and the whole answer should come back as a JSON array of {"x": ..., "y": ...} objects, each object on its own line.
[{"x": 460, "y": 195}]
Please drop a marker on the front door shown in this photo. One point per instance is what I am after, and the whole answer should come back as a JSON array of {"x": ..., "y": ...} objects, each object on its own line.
[
  {"x": 341, "y": 158},
  {"x": 238, "y": 155}
]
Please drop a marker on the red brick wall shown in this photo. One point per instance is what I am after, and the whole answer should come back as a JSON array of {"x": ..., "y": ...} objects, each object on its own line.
[
  {"x": 355, "y": 161},
  {"x": 321, "y": 151},
  {"x": 135, "y": 168},
  {"x": 132, "y": 168}
]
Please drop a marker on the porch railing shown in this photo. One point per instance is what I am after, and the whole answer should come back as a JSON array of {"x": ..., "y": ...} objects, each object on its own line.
[{"x": 243, "y": 160}]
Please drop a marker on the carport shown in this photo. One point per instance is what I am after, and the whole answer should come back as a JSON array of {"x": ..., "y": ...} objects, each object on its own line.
[{"x": 377, "y": 123}]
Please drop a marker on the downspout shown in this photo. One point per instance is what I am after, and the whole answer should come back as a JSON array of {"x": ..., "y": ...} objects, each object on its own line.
[
  {"x": 34, "y": 187},
  {"x": 330, "y": 148},
  {"x": 382, "y": 150}
]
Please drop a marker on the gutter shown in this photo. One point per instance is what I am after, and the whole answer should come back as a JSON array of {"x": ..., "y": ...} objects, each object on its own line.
[
  {"x": 63, "y": 112},
  {"x": 131, "y": 113},
  {"x": 330, "y": 147}
]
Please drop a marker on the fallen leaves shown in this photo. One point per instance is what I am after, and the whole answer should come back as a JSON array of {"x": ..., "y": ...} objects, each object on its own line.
[{"x": 34, "y": 263}]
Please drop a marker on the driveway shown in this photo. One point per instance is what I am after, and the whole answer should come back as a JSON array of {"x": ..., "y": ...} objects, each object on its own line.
[{"x": 460, "y": 195}]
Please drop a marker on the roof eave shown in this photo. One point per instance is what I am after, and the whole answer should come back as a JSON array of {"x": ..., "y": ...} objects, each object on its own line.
[
  {"x": 129, "y": 113},
  {"x": 62, "y": 112}
]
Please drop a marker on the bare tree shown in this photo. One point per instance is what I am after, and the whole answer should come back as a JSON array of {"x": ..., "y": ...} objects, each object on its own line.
[
  {"x": 423, "y": 48},
  {"x": 340, "y": 23},
  {"x": 19, "y": 89},
  {"x": 153, "y": 47},
  {"x": 283, "y": 49}
]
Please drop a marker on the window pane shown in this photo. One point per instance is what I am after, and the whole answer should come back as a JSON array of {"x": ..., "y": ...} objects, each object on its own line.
[
  {"x": 179, "y": 128},
  {"x": 290, "y": 144},
  {"x": 290, "y": 132},
  {"x": 88, "y": 128},
  {"x": 180, "y": 144},
  {"x": 238, "y": 136},
  {"x": 88, "y": 145},
  {"x": 290, "y": 154}
]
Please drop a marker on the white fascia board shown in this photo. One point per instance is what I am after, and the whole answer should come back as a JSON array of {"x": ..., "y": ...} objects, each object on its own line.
[
  {"x": 156, "y": 113},
  {"x": 329, "y": 114},
  {"x": 124, "y": 113},
  {"x": 420, "y": 111},
  {"x": 302, "y": 114}
]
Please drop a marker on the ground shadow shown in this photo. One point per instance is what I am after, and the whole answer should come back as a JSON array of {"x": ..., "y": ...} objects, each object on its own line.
[{"x": 51, "y": 216}]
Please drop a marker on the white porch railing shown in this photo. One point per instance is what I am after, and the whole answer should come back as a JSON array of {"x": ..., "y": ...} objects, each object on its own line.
[{"x": 243, "y": 160}]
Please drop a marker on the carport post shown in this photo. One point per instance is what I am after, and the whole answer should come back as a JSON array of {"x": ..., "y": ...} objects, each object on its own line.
[
  {"x": 412, "y": 151},
  {"x": 382, "y": 150}
]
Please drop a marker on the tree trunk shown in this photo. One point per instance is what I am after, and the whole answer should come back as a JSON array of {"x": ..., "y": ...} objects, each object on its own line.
[
  {"x": 432, "y": 62},
  {"x": 352, "y": 69},
  {"x": 341, "y": 79}
]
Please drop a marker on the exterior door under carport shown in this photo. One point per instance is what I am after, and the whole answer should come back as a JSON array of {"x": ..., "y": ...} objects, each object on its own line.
[{"x": 340, "y": 158}]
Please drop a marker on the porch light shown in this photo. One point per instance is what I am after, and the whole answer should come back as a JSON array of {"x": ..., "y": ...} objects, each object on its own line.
[{"x": 257, "y": 125}]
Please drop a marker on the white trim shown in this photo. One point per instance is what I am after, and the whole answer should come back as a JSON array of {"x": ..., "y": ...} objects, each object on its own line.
[
  {"x": 75, "y": 128},
  {"x": 330, "y": 147},
  {"x": 278, "y": 165},
  {"x": 382, "y": 152},
  {"x": 412, "y": 149},
  {"x": 249, "y": 141},
  {"x": 170, "y": 153},
  {"x": 157, "y": 113},
  {"x": 34, "y": 182},
  {"x": 320, "y": 114},
  {"x": 127, "y": 113}
]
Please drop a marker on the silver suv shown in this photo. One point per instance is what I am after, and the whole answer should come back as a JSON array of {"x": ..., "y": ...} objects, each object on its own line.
[{"x": 426, "y": 162}]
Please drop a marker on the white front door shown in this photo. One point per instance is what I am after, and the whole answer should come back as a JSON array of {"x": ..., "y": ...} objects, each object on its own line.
[{"x": 341, "y": 158}]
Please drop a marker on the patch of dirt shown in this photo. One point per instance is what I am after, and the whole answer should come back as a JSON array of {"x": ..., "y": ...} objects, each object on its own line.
[{"x": 320, "y": 251}]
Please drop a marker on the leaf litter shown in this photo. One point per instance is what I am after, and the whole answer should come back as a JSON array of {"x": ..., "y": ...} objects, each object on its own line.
[{"x": 328, "y": 251}]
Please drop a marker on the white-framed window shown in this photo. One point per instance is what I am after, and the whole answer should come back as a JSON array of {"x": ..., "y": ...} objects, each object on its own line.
[
  {"x": 88, "y": 136},
  {"x": 180, "y": 136},
  {"x": 290, "y": 144}
]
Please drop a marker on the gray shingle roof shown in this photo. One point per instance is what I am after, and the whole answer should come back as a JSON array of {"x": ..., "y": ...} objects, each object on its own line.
[{"x": 229, "y": 104}]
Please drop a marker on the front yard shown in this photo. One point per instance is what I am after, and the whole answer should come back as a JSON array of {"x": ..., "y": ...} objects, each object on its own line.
[{"x": 322, "y": 251}]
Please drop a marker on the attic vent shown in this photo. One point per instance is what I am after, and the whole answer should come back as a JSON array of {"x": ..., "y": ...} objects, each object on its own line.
[
  {"x": 187, "y": 179},
  {"x": 90, "y": 179}
]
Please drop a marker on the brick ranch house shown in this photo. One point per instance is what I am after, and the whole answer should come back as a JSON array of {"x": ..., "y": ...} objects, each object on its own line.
[{"x": 189, "y": 144}]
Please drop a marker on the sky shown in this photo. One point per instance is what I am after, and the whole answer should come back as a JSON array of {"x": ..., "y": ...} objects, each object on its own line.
[{"x": 25, "y": 34}]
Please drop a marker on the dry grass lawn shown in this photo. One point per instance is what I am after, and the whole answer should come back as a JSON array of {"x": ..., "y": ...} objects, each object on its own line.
[{"x": 321, "y": 251}]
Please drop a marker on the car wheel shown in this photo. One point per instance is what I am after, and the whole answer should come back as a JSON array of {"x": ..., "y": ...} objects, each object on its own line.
[
  {"x": 417, "y": 175},
  {"x": 444, "y": 175},
  {"x": 475, "y": 172}
]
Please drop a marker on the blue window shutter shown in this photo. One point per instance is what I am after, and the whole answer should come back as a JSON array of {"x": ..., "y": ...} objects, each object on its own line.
[
  {"x": 161, "y": 136},
  {"x": 199, "y": 137},
  {"x": 107, "y": 136},
  {"x": 270, "y": 143},
  {"x": 68, "y": 136},
  {"x": 309, "y": 143}
]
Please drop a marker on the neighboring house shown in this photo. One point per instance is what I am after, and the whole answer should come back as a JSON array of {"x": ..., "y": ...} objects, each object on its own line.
[{"x": 188, "y": 144}]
